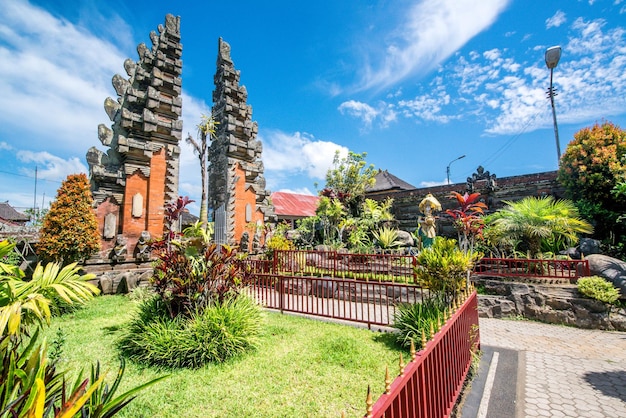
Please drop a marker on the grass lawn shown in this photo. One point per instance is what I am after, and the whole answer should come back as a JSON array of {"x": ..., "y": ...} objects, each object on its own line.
[{"x": 302, "y": 368}]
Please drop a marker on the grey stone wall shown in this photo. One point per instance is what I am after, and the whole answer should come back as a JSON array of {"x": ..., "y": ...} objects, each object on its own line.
[{"x": 554, "y": 304}]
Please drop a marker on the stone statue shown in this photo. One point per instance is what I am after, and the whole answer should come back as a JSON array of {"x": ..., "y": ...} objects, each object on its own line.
[
  {"x": 244, "y": 244},
  {"x": 119, "y": 251},
  {"x": 256, "y": 243},
  {"x": 143, "y": 250},
  {"x": 428, "y": 206}
]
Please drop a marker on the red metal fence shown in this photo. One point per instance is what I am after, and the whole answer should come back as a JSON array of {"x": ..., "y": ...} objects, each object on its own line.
[
  {"x": 379, "y": 267},
  {"x": 371, "y": 303},
  {"x": 399, "y": 268},
  {"x": 519, "y": 267},
  {"x": 428, "y": 387}
]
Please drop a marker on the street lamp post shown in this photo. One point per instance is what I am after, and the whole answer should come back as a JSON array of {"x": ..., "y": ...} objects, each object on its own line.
[
  {"x": 448, "y": 167},
  {"x": 553, "y": 54}
]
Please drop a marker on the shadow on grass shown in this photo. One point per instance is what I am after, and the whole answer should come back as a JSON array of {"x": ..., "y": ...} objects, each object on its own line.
[{"x": 388, "y": 339}]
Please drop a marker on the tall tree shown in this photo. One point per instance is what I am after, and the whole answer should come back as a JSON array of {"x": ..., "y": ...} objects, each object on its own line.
[
  {"x": 70, "y": 230},
  {"x": 348, "y": 180},
  {"x": 593, "y": 164},
  {"x": 206, "y": 130}
]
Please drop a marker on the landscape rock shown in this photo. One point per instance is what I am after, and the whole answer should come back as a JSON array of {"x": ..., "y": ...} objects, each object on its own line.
[
  {"x": 557, "y": 304},
  {"x": 405, "y": 239},
  {"x": 612, "y": 269},
  {"x": 589, "y": 246}
]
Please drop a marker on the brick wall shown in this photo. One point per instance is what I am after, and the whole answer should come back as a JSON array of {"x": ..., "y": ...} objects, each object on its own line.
[
  {"x": 406, "y": 211},
  {"x": 244, "y": 196}
]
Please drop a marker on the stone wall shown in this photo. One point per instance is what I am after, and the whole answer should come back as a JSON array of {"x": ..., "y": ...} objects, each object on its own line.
[
  {"x": 406, "y": 211},
  {"x": 554, "y": 304}
]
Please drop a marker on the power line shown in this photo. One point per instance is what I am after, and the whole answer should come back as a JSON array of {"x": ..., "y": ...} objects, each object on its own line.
[
  {"x": 493, "y": 157},
  {"x": 29, "y": 177}
]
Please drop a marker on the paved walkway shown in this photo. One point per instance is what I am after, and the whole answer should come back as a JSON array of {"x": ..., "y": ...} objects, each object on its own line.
[{"x": 543, "y": 370}]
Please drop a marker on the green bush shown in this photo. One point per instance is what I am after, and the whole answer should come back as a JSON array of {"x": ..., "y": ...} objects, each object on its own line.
[
  {"x": 598, "y": 288},
  {"x": 218, "y": 332},
  {"x": 443, "y": 267},
  {"x": 414, "y": 319}
]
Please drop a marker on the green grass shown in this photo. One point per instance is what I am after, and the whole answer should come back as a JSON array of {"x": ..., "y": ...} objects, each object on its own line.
[{"x": 302, "y": 368}]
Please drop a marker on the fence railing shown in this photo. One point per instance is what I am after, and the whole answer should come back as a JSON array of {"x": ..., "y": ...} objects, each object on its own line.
[
  {"x": 430, "y": 384},
  {"x": 399, "y": 268},
  {"x": 520, "y": 267},
  {"x": 371, "y": 303},
  {"x": 377, "y": 267}
]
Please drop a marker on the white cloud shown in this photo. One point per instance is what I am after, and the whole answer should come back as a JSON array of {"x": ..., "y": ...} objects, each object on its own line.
[
  {"x": 50, "y": 167},
  {"x": 303, "y": 190},
  {"x": 433, "y": 183},
  {"x": 368, "y": 114},
  {"x": 54, "y": 76},
  {"x": 433, "y": 31},
  {"x": 359, "y": 110},
  {"x": 557, "y": 20},
  {"x": 298, "y": 153},
  {"x": 428, "y": 107},
  {"x": 5, "y": 146}
]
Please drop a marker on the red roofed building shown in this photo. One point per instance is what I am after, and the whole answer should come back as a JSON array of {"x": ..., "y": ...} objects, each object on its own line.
[{"x": 290, "y": 207}]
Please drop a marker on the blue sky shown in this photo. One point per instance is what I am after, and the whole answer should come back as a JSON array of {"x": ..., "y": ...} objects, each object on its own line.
[{"x": 415, "y": 84}]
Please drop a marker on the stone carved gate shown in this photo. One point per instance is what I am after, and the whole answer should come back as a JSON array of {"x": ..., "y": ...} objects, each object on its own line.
[
  {"x": 236, "y": 178},
  {"x": 138, "y": 174}
]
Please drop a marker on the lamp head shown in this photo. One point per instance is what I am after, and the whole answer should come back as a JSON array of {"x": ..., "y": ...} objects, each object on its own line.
[{"x": 553, "y": 54}]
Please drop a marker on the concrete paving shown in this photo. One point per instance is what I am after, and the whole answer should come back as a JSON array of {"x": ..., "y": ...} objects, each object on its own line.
[{"x": 542, "y": 370}]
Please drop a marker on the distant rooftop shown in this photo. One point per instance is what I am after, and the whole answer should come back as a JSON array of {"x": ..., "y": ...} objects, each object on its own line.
[
  {"x": 7, "y": 213},
  {"x": 387, "y": 181},
  {"x": 292, "y": 204}
]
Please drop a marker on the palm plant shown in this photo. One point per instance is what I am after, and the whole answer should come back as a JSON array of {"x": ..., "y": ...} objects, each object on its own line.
[
  {"x": 536, "y": 219},
  {"x": 206, "y": 130}
]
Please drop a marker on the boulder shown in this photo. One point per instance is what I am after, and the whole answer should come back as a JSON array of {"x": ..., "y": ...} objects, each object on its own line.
[
  {"x": 588, "y": 246},
  {"x": 405, "y": 239},
  {"x": 612, "y": 269}
]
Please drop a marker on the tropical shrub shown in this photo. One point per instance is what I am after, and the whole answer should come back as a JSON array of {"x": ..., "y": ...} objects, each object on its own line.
[
  {"x": 534, "y": 223},
  {"x": 468, "y": 219},
  {"x": 188, "y": 283},
  {"x": 70, "y": 230},
  {"x": 598, "y": 288},
  {"x": 219, "y": 331},
  {"x": 386, "y": 238},
  {"x": 418, "y": 319},
  {"x": 30, "y": 384},
  {"x": 443, "y": 267},
  {"x": 198, "y": 314}
]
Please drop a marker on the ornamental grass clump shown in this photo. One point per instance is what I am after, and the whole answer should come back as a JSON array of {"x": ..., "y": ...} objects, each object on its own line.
[
  {"x": 597, "y": 288},
  {"x": 217, "y": 332},
  {"x": 415, "y": 320}
]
